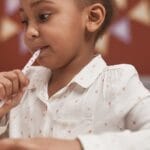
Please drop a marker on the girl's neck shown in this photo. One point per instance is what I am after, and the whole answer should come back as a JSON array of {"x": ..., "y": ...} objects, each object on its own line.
[{"x": 61, "y": 77}]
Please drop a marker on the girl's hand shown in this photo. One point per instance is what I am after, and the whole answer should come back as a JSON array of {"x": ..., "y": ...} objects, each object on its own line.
[
  {"x": 39, "y": 143},
  {"x": 12, "y": 86}
]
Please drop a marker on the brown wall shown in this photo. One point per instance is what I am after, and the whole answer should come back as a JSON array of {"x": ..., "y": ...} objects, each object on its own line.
[{"x": 136, "y": 52}]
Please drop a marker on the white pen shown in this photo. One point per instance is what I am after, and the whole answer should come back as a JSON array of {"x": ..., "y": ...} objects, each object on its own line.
[{"x": 31, "y": 61}]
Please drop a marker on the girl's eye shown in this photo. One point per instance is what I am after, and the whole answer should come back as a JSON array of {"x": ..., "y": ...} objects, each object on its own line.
[{"x": 43, "y": 17}]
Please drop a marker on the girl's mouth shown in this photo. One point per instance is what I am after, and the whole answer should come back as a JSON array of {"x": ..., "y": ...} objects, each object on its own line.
[{"x": 44, "y": 47}]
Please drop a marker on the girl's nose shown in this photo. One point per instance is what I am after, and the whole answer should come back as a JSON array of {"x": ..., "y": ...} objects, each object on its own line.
[{"x": 32, "y": 32}]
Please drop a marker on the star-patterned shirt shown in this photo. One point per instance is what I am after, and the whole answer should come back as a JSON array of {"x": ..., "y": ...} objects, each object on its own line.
[{"x": 105, "y": 107}]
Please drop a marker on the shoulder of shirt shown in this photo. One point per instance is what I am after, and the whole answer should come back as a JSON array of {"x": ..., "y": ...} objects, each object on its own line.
[
  {"x": 124, "y": 68},
  {"x": 116, "y": 77},
  {"x": 119, "y": 74}
]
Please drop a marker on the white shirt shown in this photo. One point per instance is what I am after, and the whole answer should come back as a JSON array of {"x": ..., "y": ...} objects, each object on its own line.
[{"x": 106, "y": 107}]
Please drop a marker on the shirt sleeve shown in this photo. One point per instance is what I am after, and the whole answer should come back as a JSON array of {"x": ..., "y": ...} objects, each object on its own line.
[
  {"x": 126, "y": 140},
  {"x": 136, "y": 135}
]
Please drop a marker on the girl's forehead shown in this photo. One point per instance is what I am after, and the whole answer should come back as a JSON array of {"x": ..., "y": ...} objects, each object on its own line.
[
  {"x": 32, "y": 3},
  {"x": 39, "y": 1}
]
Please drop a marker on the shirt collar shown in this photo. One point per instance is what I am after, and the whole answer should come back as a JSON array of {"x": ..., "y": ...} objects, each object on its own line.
[
  {"x": 90, "y": 72},
  {"x": 39, "y": 76},
  {"x": 84, "y": 78}
]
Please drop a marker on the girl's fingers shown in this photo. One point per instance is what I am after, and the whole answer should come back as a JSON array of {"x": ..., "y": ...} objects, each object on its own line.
[
  {"x": 2, "y": 91},
  {"x": 22, "y": 78},
  {"x": 7, "y": 87},
  {"x": 10, "y": 103},
  {"x": 11, "y": 83},
  {"x": 13, "y": 78},
  {"x": 14, "y": 101},
  {"x": 11, "y": 89}
]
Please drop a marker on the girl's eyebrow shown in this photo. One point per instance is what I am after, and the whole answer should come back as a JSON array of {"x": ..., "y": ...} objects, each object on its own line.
[{"x": 37, "y": 2}]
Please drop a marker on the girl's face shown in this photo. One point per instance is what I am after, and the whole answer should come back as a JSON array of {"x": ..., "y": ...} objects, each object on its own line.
[{"x": 56, "y": 27}]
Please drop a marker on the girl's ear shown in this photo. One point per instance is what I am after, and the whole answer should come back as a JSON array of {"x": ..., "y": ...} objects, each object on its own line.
[{"x": 96, "y": 16}]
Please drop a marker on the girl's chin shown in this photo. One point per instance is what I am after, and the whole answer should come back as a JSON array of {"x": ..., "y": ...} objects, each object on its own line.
[
  {"x": 44, "y": 64},
  {"x": 48, "y": 62},
  {"x": 41, "y": 62}
]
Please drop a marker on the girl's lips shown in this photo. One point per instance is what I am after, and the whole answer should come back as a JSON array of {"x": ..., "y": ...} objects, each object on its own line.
[
  {"x": 41, "y": 48},
  {"x": 44, "y": 47},
  {"x": 44, "y": 51}
]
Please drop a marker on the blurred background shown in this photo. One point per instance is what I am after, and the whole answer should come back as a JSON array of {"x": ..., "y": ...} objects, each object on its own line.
[{"x": 126, "y": 41}]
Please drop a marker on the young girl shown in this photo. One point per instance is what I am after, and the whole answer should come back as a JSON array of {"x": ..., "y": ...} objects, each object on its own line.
[{"x": 72, "y": 100}]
